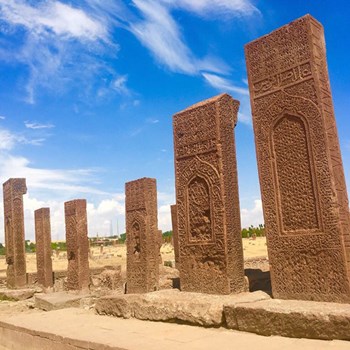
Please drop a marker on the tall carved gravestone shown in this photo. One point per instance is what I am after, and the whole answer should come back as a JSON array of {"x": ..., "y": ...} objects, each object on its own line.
[
  {"x": 13, "y": 190},
  {"x": 208, "y": 215},
  {"x": 77, "y": 244},
  {"x": 142, "y": 236},
  {"x": 43, "y": 247},
  {"x": 175, "y": 235},
  {"x": 302, "y": 181}
]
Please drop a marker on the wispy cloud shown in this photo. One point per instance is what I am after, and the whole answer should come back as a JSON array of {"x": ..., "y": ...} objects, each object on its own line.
[
  {"x": 65, "y": 44},
  {"x": 210, "y": 8},
  {"x": 223, "y": 84},
  {"x": 119, "y": 85},
  {"x": 35, "y": 126},
  {"x": 152, "y": 121},
  {"x": 2, "y": 117}
]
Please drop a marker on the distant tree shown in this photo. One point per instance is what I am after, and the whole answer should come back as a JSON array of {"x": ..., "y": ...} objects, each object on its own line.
[
  {"x": 2, "y": 249},
  {"x": 122, "y": 238}
]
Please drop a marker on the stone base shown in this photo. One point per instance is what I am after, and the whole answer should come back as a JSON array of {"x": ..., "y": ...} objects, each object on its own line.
[
  {"x": 174, "y": 306},
  {"x": 57, "y": 301},
  {"x": 16, "y": 294},
  {"x": 291, "y": 318}
]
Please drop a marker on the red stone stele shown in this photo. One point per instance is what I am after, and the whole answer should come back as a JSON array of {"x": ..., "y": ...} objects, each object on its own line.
[
  {"x": 13, "y": 190},
  {"x": 305, "y": 203},
  {"x": 43, "y": 247},
  {"x": 78, "y": 277},
  {"x": 207, "y": 202},
  {"x": 142, "y": 236}
]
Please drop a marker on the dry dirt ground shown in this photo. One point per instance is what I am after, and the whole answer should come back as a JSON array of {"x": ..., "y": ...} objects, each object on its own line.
[
  {"x": 111, "y": 256},
  {"x": 116, "y": 255}
]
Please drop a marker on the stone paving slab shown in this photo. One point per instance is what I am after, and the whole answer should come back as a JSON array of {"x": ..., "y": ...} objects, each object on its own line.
[
  {"x": 60, "y": 300},
  {"x": 174, "y": 306},
  {"x": 291, "y": 318},
  {"x": 73, "y": 329}
]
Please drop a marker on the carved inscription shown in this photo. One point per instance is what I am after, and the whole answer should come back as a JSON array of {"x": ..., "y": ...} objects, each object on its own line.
[
  {"x": 207, "y": 224},
  {"x": 142, "y": 236},
  {"x": 13, "y": 191},
  {"x": 306, "y": 209}
]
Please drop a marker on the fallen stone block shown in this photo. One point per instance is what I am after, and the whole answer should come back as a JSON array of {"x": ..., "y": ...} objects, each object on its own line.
[
  {"x": 174, "y": 306},
  {"x": 60, "y": 300},
  {"x": 16, "y": 294},
  {"x": 291, "y": 318}
]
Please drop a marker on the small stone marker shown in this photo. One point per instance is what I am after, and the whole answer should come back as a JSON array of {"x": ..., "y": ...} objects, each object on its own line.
[{"x": 13, "y": 190}]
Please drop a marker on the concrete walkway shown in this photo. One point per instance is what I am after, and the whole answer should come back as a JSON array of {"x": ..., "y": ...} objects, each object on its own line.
[{"x": 70, "y": 329}]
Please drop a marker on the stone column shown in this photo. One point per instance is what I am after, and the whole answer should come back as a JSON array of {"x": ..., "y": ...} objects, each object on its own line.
[
  {"x": 142, "y": 236},
  {"x": 77, "y": 245},
  {"x": 175, "y": 235},
  {"x": 208, "y": 215},
  {"x": 13, "y": 190},
  {"x": 306, "y": 208},
  {"x": 43, "y": 247}
]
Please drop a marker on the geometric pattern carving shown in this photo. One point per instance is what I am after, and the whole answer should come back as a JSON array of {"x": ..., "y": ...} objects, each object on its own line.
[
  {"x": 294, "y": 173},
  {"x": 78, "y": 277},
  {"x": 43, "y": 247},
  {"x": 207, "y": 216},
  {"x": 303, "y": 190},
  {"x": 13, "y": 190},
  {"x": 142, "y": 236}
]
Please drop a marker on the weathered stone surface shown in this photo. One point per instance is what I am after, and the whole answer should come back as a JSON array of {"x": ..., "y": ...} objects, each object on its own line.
[
  {"x": 13, "y": 190},
  {"x": 207, "y": 202},
  {"x": 291, "y": 318},
  {"x": 173, "y": 305},
  {"x": 43, "y": 247},
  {"x": 142, "y": 236},
  {"x": 175, "y": 235},
  {"x": 305, "y": 201},
  {"x": 16, "y": 294},
  {"x": 60, "y": 300},
  {"x": 77, "y": 245}
]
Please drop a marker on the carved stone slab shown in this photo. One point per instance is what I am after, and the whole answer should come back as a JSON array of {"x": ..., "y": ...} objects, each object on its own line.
[
  {"x": 43, "y": 247},
  {"x": 303, "y": 188},
  {"x": 13, "y": 190},
  {"x": 208, "y": 215},
  {"x": 77, "y": 245},
  {"x": 142, "y": 236}
]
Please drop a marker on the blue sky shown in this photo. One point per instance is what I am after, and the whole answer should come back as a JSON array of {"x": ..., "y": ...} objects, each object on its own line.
[{"x": 88, "y": 89}]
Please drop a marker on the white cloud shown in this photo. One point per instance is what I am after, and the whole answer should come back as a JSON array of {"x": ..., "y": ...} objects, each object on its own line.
[
  {"x": 252, "y": 216},
  {"x": 208, "y": 8},
  {"x": 7, "y": 140},
  {"x": 53, "y": 16},
  {"x": 223, "y": 84},
  {"x": 2, "y": 117},
  {"x": 34, "y": 126},
  {"x": 119, "y": 85}
]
